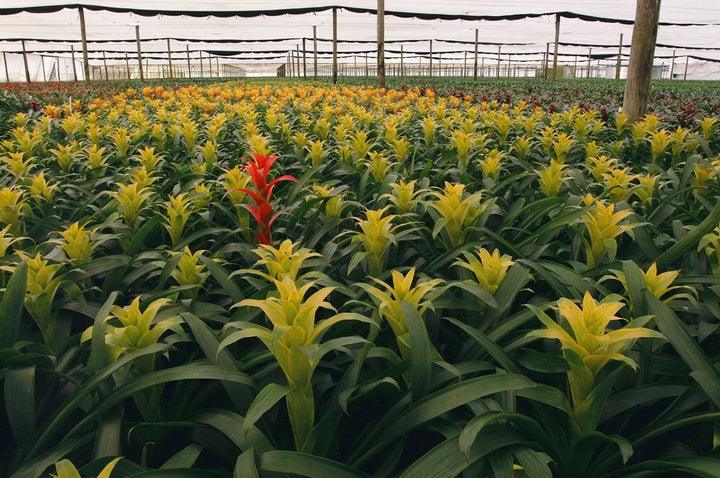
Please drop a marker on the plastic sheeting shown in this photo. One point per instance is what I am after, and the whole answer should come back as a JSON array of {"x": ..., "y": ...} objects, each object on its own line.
[{"x": 254, "y": 32}]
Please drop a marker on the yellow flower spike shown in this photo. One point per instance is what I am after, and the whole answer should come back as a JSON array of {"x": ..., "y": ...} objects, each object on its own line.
[
  {"x": 316, "y": 152},
  {"x": 489, "y": 268},
  {"x": 588, "y": 347},
  {"x": 72, "y": 125},
  {"x": 142, "y": 178},
  {"x": 457, "y": 212},
  {"x": 334, "y": 204},
  {"x": 659, "y": 142},
  {"x": 651, "y": 123},
  {"x": 235, "y": 180},
  {"x": 404, "y": 197},
  {"x": 376, "y": 236},
  {"x": 66, "y": 154},
  {"x": 429, "y": 128},
  {"x": 710, "y": 243},
  {"x": 678, "y": 141},
  {"x": 17, "y": 164},
  {"x": 646, "y": 188},
  {"x": 603, "y": 226},
  {"x": 707, "y": 127},
  {"x": 148, "y": 158},
  {"x": 599, "y": 165},
  {"x": 131, "y": 199},
  {"x": 6, "y": 240},
  {"x": 388, "y": 301},
  {"x": 259, "y": 144},
  {"x": 360, "y": 144},
  {"x": 658, "y": 284},
  {"x": 77, "y": 244},
  {"x": 592, "y": 150},
  {"x": 42, "y": 285},
  {"x": 189, "y": 132},
  {"x": 552, "y": 178},
  {"x": 462, "y": 142},
  {"x": 11, "y": 201},
  {"x": 503, "y": 124},
  {"x": 617, "y": 183},
  {"x": 379, "y": 165},
  {"x": 322, "y": 128},
  {"x": 521, "y": 147},
  {"x": 189, "y": 273},
  {"x": 401, "y": 149},
  {"x": 283, "y": 261},
  {"x": 491, "y": 164},
  {"x": 177, "y": 211},
  {"x": 121, "y": 140},
  {"x": 95, "y": 158},
  {"x": 582, "y": 126},
  {"x": 561, "y": 146}
]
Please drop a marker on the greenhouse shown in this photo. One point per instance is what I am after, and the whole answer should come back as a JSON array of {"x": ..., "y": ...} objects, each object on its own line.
[{"x": 369, "y": 239}]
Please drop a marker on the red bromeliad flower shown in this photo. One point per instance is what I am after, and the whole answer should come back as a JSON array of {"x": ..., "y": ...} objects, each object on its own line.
[{"x": 259, "y": 168}]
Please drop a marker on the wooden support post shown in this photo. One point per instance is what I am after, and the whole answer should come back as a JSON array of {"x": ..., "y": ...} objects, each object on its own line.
[
  {"x": 25, "y": 59},
  {"x": 380, "y": 43},
  {"x": 297, "y": 59},
  {"x": 127, "y": 65},
  {"x": 42, "y": 64},
  {"x": 169, "y": 59},
  {"x": 83, "y": 36},
  {"x": 315, "y": 66},
  {"x": 464, "y": 72},
  {"x": 7, "y": 73},
  {"x": 619, "y": 60},
  {"x": 476, "y": 49},
  {"x": 498, "y": 62},
  {"x": 217, "y": 67},
  {"x": 640, "y": 68},
  {"x": 367, "y": 66},
  {"x": 588, "y": 63},
  {"x": 672, "y": 66},
  {"x": 557, "y": 41},
  {"x": 304, "y": 60},
  {"x": 72, "y": 55},
  {"x": 334, "y": 40},
  {"x": 202, "y": 73},
  {"x": 402, "y": 61},
  {"x": 684, "y": 74},
  {"x": 546, "y": 60},
  {"x": 291, "y": 62},
  {"x": 431, "y": 60},
  {"x": 187, "y": 52},
  {"x": 105, "y": 65},
  {"x": 482, "y": 66},
  {"x": 139, "y": 52}
]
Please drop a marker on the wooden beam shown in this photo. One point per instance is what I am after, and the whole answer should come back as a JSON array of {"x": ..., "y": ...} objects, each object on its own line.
[
  {"x": 380, "y": 43},
  {"x": 475, "y": 74},
  {"x": 105, "y": 65},
  {"x": 25, "y": 60},
  {"x": 315, "y": 65},
  {"x": 7, "y": 73},
  {"x": 187, "y": 53},
  {"x": 304, "y": 60},
  {"x": 139, "y": 52},
  {"x": 72, "y": 55},
  {"x": 619, "y": 60},
  {"x": 83, "y": 36},
  {"x": 642, "y": 54},
  {"x": 557, "y": 40},
  {"x": 334, "y": 38},
  {"x": 169, "y": 58}
]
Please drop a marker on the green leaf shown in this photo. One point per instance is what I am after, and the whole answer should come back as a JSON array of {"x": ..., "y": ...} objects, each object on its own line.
[
  {"x": 264, "y": 401},
  {"x": 690, "y": 241},
  {"x": 207, "y": 339},
  {"x": 98, "y": 355},
  {"x": 231, "y": 425},
  {"x": 701, "y": 466},
  {"x": 479, "y": 423},
  {"x": 19, "y": 398},
  {"x": 108, "y": 437},
  {"x": 37, "y": 467},
  {"x": 65, "y": 469},
  {"x": 245, "y": 466},
  {"x": 223, "y": 279},
  {"x": 532, "y": 463},
  {"x": 107, "y": 471},
  {"x": 431, "y": 406},
  {"x": 495, "y": 351},
  {"x": 11, "y": 306},
  {"x": 702, "y": 370},
  {"x": 304, "y": 464},
  {"x": 421, "y": 351},
  {"x": 446, "y": 459},
  {"x": 185, "y": 458}
]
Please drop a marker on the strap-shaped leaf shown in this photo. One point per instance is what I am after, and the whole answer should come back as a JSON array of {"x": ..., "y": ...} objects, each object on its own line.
[
  {"x": 11, "y": 306},
  {"x": 264, "y": 401}
]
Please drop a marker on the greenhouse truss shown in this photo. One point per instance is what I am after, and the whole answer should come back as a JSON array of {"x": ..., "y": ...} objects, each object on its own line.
[{"x": 43, "y": 40}]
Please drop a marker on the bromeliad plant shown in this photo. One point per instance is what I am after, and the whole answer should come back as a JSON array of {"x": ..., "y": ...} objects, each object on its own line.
[
  {"x": 588, "y": 346},
  {"x": 259, "y": 167},
  {"x": 295, "y": 342}
]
